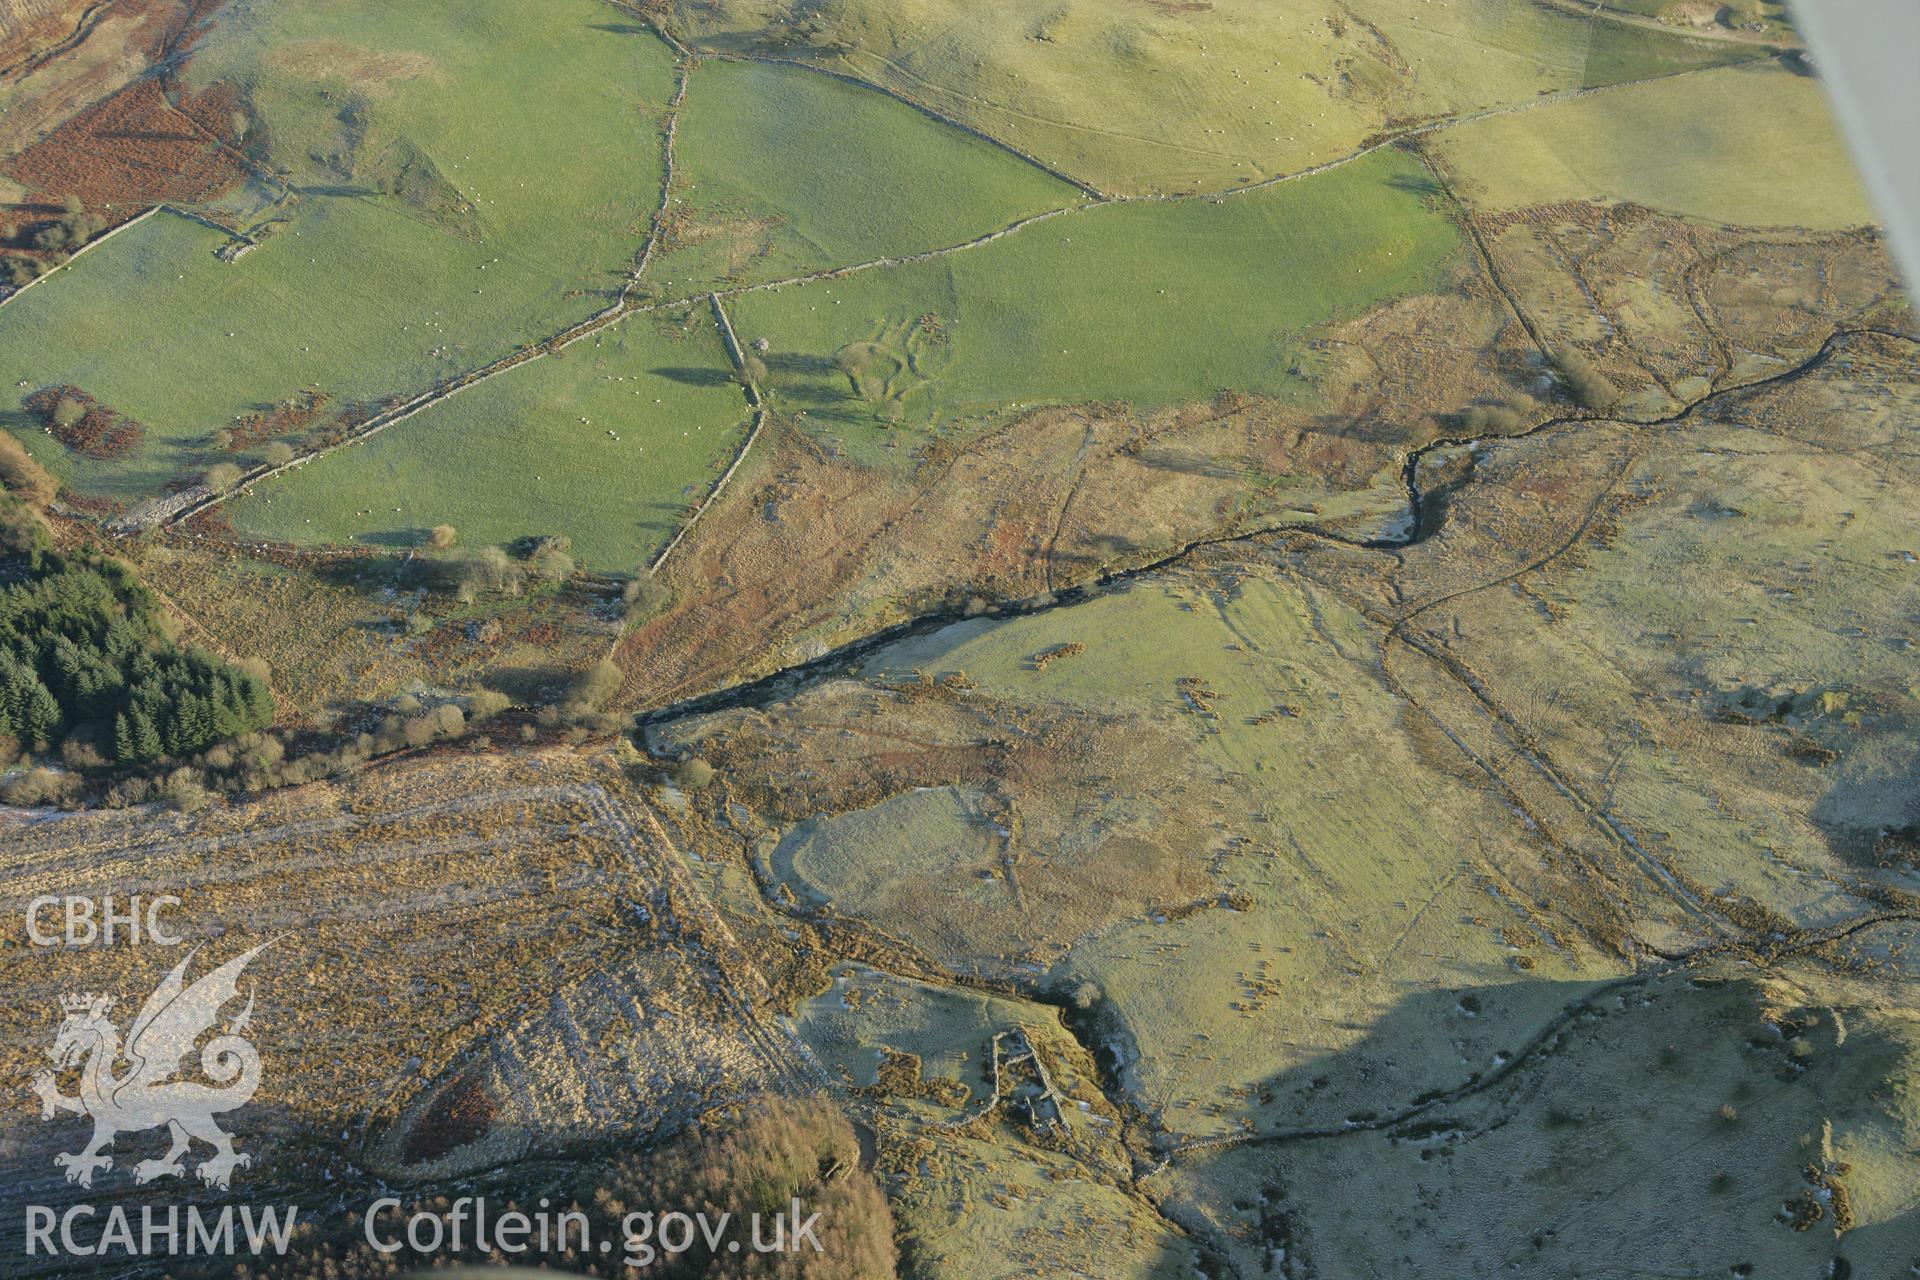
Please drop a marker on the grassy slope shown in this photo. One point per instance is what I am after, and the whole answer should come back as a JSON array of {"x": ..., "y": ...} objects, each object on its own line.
[
  {"x": 1363, "y": 855},
  {"x": 512, "y": 458},
  {"x": 542, "y": 121},
  {"x": 1701, "y": 598},
  {"x": 1145, "y": 97},
  {"x": 1155, "y": 303},
  {"x": 1610, "y": 1145},
  {"x": 982, "y": 1203},
  {"x": 787, "y": 171},
  {"x": 872, "y": 856},
  {"x": 1743, "y": 145}
]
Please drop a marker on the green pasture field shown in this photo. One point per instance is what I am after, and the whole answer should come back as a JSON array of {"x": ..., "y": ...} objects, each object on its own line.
[
  {"x": 1144, "y": 98},
  {"x": 524, "y": 159},
  {"x": 1155, "y": 303},
  {"x": 783, "y": 171},
  {"x": 512, "y": 457},
  {"x": 339, "y": 86},
  {"x": 1751, "y": 146}
]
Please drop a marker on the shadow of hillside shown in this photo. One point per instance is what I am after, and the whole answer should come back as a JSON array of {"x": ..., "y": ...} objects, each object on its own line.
[{"x": 1665, "y": 1126}]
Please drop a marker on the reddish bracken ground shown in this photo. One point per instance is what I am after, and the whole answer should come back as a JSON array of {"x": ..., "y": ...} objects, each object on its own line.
[
  {"x": 32, "y": 31},
  {"x": 284, "y": 419},
  {"x": 100, "y": 432},
  {"x": 90, "y": 116},
  {"x": 458, "y": 1116},
  {"x": 135, "y": 149}
]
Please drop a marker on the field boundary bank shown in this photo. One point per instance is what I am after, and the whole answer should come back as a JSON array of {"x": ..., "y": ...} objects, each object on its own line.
[
  {"x": 1468, "y": 224},
  {"x": 933, "y": 113},
  {"x": 1099, "y": 201},
  {"x": 169, "y": 511},
  {"x": 88, "y": 247},
  {"x": 657, "y": 228},
  {"x": 1384, "y": 138},
  {"x": 759, "y": 422},
  {"x": 860, "y": 82},
  {"x": 779, "y": 683},
  {"x": 740, "y": 455}
]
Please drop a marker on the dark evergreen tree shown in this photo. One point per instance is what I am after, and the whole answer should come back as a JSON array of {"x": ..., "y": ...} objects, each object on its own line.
[
  {"x": 79, "y": 650},
  {"x": 146, "y": 739}
]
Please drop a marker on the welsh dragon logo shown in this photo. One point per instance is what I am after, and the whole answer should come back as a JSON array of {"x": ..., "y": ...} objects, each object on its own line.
[{"x": 148, "y": 1094}]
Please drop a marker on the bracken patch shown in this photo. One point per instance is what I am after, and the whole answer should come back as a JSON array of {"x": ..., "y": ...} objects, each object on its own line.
[{"x": 101, "y": 433}]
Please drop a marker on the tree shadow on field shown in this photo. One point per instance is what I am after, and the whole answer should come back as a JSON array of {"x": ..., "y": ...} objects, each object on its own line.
[
  {"x": 1190, "y": 464},
  {"x": 845, "y": 414},
  {"x": 403, "y": 539},
  {"x": 620, "y": 28},
  {"x": 1416, "y": 184},
  {"x": 693, "y": 376},
  {"x": 531, "y": 684},
  {"x": 1091, "y": 555},
  {"x": 1113, "y": 544},
  {"x": 794, "y": 362},
  {"x": 665, "y": 516},
  {"x": 1363, "y": 429},
  {"x": 341, "y": 192},
  {"x": 359, "y": 573}
]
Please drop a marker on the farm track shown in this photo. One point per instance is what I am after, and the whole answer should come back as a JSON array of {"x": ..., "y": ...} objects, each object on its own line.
[
  {"x": 1626, "y": 18},
  {"x": 1562, "y": 815},
  {"x": 777, "y": 685},
  {"x": 169, "y": 91},
  {"x": 161, "y": 513},
  {"x": 1469, "y": 225},
  {"x": 1066, "y": 504}
]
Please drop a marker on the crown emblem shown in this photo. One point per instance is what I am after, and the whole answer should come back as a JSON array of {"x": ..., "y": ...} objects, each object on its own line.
[{"x": 159, "y": 1042}]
